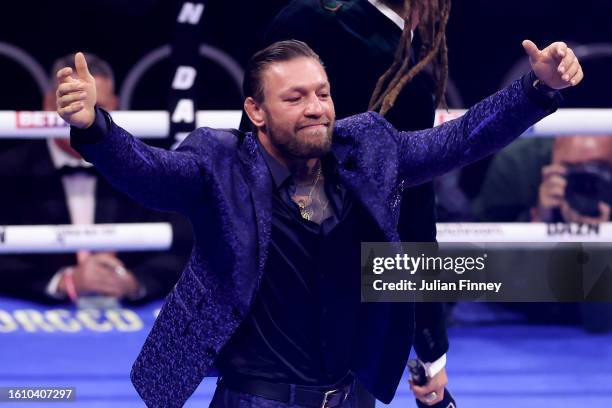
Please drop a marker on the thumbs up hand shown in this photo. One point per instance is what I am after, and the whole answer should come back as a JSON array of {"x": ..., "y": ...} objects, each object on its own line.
[
  {"x": 555, "y": 65},
  {"x": 76, "y": 95}
]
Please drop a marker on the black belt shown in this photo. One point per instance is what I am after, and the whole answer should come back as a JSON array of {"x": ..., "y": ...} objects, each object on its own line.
[{"x": 311, "y": 396}]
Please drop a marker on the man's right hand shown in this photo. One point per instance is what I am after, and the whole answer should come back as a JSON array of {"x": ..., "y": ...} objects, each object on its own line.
[
  {"x": 435, "y": 384},
  {"x": 76, "y": 95}
]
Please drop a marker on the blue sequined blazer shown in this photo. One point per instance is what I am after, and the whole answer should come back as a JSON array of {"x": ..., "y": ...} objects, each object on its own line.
[{"x": 219, "y": 179}]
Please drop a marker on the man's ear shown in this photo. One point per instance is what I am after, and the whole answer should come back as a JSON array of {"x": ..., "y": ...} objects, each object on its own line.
[{"x": 255, "y": 112}]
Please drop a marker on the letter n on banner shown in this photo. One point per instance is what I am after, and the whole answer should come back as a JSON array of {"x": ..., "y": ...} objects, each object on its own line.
[{"x": 182, "y": 99}]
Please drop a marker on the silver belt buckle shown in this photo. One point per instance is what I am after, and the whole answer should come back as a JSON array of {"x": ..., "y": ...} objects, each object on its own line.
[
  {"x": 325, "y": 396},
  {"x": 331, "y": 392}
]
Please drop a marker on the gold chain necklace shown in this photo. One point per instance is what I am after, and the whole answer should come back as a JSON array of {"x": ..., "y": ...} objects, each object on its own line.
[{"x": 304, "y": 212}]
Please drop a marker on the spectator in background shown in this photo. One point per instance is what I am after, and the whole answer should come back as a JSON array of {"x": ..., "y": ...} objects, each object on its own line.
[
  {"x": 47, "y": 182},
  {"x": 568, "y": 179}
]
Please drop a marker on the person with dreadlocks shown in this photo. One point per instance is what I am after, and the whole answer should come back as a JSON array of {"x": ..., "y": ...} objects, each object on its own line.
[
  {"x": 271, "y": 294},
  {"x": 388, "y": 56}
]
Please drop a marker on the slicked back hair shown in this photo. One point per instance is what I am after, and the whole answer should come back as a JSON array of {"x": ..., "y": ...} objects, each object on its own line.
[{"x": 277, "y": 52}]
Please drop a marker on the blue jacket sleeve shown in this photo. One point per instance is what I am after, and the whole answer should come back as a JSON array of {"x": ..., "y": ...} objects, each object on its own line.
[
  {"x": 486, "y": 128},
  {"x": 157, "y": 178}
]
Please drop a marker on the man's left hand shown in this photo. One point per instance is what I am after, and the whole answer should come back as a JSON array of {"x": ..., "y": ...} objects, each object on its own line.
[
  {"x": 435, "y": 384},
  {"x": 555, "y": 65}
]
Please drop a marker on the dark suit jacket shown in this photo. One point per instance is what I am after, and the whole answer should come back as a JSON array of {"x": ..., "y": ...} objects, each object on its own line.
[
  {"x": 32, "y": 193},
  {"x": 357, "y": 44},
  {"x": 219, "y": 179}
]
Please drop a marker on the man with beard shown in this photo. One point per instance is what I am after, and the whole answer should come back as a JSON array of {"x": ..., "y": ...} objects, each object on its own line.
[
  {"x": 385, "y": 32},
  {"x": 271, "y": 293}
]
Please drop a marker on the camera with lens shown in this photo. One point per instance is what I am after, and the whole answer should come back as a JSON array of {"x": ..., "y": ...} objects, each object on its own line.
[{"x": 587, "y": 184}]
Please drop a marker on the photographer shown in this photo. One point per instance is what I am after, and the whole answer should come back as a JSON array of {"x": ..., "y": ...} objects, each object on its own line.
[{"x": 568, "y": 179}]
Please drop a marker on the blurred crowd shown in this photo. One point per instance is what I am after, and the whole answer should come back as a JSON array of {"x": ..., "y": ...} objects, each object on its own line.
[
  {"x": 556, "y": 179},
  {"x": 46, "y": 182}
]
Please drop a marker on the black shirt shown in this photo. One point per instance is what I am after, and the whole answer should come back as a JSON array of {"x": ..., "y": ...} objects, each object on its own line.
[{"x": 299, "y": 328}]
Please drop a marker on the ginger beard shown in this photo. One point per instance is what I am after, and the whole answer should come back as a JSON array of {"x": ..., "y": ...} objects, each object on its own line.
[
  {"x": 307, "y": 140},
  {"x": 296, "y": 113}
]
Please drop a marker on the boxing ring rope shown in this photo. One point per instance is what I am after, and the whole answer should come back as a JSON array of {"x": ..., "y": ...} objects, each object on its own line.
[
  {"x": 523, "y": 233},
  {"x": 155, "y": 124},
  {"x": 95, "y": 237},
  {"x": 158, "y": 236}
]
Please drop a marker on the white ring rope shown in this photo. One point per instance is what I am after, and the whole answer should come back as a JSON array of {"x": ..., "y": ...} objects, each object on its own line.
[
  {"x": 155, "y": 124},
  {"x": 524, "y": 233},
  {"x": 155, "y": 236},
  {"x": 158, "y": 236},
  {"x": 95, "y": 237}
]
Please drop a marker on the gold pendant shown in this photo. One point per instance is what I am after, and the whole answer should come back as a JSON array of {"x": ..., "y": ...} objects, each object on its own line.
[{"x": 306, "y": 214}]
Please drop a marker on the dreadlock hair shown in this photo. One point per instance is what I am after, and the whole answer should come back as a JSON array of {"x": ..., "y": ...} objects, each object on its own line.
[{"x": 432, "y": 31}]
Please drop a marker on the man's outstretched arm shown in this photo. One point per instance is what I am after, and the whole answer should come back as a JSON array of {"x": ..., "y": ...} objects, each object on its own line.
[
  {"x": 155, "y": 177},
  {"x": 494, "y": 122}
]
